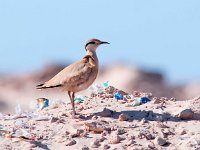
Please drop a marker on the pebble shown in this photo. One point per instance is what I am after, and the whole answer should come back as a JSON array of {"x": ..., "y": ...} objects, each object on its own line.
[
  {"x": 54, "y": 119},
  {"x": 85, "y": 148},
  {"x": 104, "y": 133},
  {"x": 70, "y": 142},
  {"x": 159, "y": 141},
  {"x": 120, "y": 131},
  {"x": 114, "y": 139},
  {"x": 123, "y": 117},
  {"x": 156, "y": 100},
  {"x": 96, "y": 127},
  {"x": 182, "y": 132},
  {"x": 186, "y": 114},
  {"x": 105, "y": 146},
  {"x": 129, "y": 142},
  {"x": 77, "y": 133},
  {"x": 151, "y": 145},
  {"x": 94, "y": 117},
  {"x": 95, "y": 143},
  {"x": 106, "y": 113}
]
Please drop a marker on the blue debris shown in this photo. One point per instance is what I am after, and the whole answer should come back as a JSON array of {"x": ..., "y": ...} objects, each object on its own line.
[
  {"x": 141, "y": 100},
  {"x": 118, "y": 96},
  {"x": 42, "y": 103}
]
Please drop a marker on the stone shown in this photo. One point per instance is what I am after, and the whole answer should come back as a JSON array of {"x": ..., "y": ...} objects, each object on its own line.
[
  {"x": 114, "y": 139},
  {"x": 85, "y": 148},
  {"x": 130, "y": 142},
  {"x": 70, "y": 142},
  {"x": 186, "y": 114},
  {"x": 54, "y": 119},
  {"x": 160, "y": 141},
  {"x": 123, "y": 117},
  {"x": 96, "y": 127},
  {"x": 95, "y": 143},
  {"x": 106, "y": 113},
  {"x": 105, "y": 146},
  {"x": 120, "y": 131}
]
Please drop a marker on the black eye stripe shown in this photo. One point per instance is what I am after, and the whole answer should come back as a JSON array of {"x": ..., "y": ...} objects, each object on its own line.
[{"x": 89, "y": 43}]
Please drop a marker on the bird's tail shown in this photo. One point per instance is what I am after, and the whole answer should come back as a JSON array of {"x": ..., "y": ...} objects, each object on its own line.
[{"x": 39, "y": 86}]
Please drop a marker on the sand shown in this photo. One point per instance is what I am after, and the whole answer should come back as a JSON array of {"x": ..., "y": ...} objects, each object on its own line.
[{"x": 103, "y": 122}]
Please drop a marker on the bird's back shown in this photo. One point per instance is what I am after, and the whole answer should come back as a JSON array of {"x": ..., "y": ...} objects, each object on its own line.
[{"x": 76, "y": 77}]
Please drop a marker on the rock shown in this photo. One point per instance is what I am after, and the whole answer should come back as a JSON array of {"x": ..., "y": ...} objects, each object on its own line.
[
  {"x": 151, "y": 145},
  {"x": 97, "y": 127},
  {"x": 94, "y": 117},
  {"x": 130, "y": 137},
  {"x": 186, "y": 114},
  {"x": 143, "y": 121},
  {"x": 145, "y": 134},
  {"x": 156, "y": 100},
  {"x": 123, "y": 117},
  {"x": 95, "y": 143},
  {"x": 102, "y": 138},
  {"x": 77, "y": 133},
  {"x": 106, "y": 113},
  {"x": 120, "y": 131},
  {"x": 104, "y": 133},
  {"x": 129, "y": 142},
  {"x": 70, "y": 142},
  {"x": 85, "y": 148},
  {"x": 54, "y": 119},
  {"x": 105, "y": 146},
  {"x": 159, "y": 141},
  {"x": 114, "y": 139},
  {"x": 183, "y": 131}
]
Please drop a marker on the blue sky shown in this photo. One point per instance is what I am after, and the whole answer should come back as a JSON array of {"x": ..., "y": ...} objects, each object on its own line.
[{"x": 159, "y": 35}]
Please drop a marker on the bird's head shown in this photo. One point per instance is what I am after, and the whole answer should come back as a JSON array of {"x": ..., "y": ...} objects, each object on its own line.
[{"x": 92, "y": 44}]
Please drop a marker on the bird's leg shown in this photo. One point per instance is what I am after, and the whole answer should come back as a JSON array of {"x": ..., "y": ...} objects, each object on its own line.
[
  {"x": 73, "y": 105},
  {"x": 71, "y": 96}
]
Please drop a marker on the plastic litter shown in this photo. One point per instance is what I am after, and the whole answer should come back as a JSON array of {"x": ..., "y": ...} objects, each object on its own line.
[
  {"x": 18, "y": 109},
  {"x": 80, "y": 98},
  {"x": 118, "y": 96},
  {"x": 98, "y": 88},
  {"x": 33, "y": 105},
  {"x": 42, "y": 103},
  {"x": 141, "y": 100},
  {"x": 106, "y": 84}
]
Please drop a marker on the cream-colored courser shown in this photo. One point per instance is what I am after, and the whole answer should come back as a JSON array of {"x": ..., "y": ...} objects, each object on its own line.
[{"x": 79, "y": 75}]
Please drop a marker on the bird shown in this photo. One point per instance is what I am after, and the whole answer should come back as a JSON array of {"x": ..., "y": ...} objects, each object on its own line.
[{"x": 79, "y": 75}]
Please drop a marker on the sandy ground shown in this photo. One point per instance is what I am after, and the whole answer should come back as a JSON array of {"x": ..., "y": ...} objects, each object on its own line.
[{"x": 102, "y": 122}]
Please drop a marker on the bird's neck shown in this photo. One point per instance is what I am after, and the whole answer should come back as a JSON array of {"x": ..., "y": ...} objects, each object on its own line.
[{"x": 94, "y": 55}]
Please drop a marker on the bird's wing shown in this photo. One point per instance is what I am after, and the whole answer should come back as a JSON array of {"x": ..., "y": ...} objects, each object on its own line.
[{"x": 72, "y": 75}]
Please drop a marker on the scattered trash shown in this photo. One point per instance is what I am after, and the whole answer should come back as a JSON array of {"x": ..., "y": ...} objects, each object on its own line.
[
  {"x": 118, "y": 96},
  {"x": 42, "y": 103},
  {"x": 98, "y": 88},
  {"x": 106, "y": 84},
  {"x": 56, "y": 103},
  {"x": 18, "y": 109},
  {"x": 80, "y": 98},
  {"x": 33, "y": 105},
  {"x": 1, "y": 116},
  {"x": 141, "y": 100}
]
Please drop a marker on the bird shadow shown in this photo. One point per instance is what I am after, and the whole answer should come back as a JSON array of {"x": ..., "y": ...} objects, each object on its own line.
[{"x": 138, "y": 115}]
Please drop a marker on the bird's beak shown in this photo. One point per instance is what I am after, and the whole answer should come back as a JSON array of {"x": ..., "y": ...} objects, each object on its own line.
[{"x": 104, "y": 43}]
